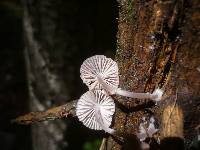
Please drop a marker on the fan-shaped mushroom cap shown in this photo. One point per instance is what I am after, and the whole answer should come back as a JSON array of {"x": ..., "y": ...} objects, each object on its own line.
[
  {"x": 95, "y": 105},
  {"x": 99, "y": 66}
]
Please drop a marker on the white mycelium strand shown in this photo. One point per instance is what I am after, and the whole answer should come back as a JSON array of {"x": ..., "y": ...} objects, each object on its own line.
[{"x": 95, "y": 110}]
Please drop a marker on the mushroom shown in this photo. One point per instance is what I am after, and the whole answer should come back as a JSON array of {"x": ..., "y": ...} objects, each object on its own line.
[
  {"x": 149, "y": 131},
  {"x": 95, "y": 110},
  {"x": 100, "y": 72},
  {"x": 99, "y": 66},
  {"x": 145, "y": 132}
]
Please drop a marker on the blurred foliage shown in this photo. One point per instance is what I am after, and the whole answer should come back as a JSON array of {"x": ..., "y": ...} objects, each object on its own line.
[
  {"x": 13, "y": 89},
  {"x": 13, "y": 7},
  {"x": 92, "y": 145},
  {"x": 195, "y": 144}
]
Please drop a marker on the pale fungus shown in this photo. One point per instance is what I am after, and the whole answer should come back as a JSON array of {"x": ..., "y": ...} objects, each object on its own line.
[
  {"x": 95, "y": 110},
  {"x": 100, "y": 72}
]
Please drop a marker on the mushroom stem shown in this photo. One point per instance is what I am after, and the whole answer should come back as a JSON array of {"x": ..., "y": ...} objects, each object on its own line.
[
  {"x": 121, "y": 92},
  {"x": 156, "y": 95},
  {"x": 100, "y": 120}
]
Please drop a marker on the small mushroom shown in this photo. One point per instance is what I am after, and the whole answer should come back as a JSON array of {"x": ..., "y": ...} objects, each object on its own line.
[
  {"x": 100, "y": 72},
  {"x": 95, "y": 110},
  {"x": 151, "y": 128},
  {"x": 144, "y": 131},
  {"x": 102, "y": 67}
]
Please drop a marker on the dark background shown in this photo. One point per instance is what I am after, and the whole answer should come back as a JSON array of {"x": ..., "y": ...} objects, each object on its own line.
[{"x": 94, "y": 33}]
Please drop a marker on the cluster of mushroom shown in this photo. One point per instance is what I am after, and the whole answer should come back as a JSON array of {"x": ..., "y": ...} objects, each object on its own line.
[
  {"x": 95, "y": 108},
  {"x": 146, "y": 130}
]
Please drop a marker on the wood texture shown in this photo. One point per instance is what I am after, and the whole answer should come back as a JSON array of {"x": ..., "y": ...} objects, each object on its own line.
[
  {"x": 58, "y": 112},
  {"x": 157, "y": 47}
]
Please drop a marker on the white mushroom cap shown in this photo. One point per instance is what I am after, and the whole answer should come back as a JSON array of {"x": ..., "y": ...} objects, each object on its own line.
[
  {"x": 95, "y": 110},
  {"x": 99, "y": 66}
]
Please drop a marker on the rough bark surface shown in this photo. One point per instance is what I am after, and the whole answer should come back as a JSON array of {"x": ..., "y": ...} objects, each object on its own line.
[{"x": 158, "y": 46}]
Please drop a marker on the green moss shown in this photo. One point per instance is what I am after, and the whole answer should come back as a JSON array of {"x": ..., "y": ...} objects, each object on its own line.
[
  {"x": 92, "y": 145},
  {"x": 14, "y": 8},
  {"x": 130, "y": 8}
]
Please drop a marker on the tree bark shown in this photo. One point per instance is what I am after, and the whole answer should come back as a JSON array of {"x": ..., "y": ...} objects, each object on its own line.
[{"x": 158, "y": 47}]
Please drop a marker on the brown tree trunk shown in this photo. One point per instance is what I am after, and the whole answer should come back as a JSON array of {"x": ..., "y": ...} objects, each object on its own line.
[{"x": 158, "y": 47}]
